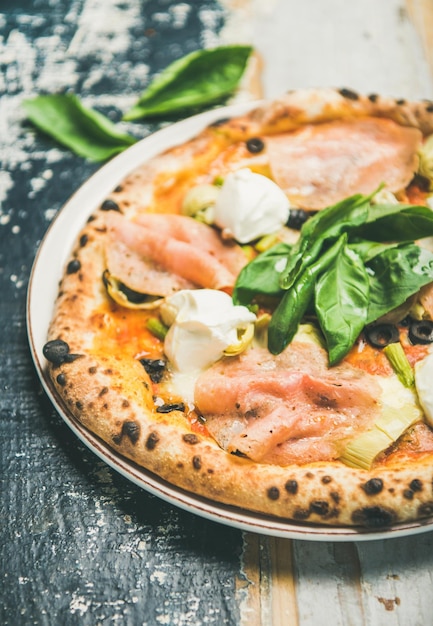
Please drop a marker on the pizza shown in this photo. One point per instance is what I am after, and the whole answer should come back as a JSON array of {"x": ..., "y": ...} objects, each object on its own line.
[{"x": 248, "y": 315}]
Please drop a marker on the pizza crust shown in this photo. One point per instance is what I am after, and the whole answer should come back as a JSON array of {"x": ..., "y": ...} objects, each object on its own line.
[{"x": 112, "y": 395}]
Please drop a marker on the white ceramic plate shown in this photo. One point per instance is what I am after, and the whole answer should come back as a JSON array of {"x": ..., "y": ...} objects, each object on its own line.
[{"x": 46, "y": 273}]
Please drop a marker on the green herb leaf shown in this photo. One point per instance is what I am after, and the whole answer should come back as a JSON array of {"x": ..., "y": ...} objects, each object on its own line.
[
  {"x": 292, "y": 307},
  {"x": 406, "y": 223},
  {"x": 325, "y": 226},
  {"x": 261, "y": 277},
  {"x": 199, "y": 79},
  {"x": 341, "y": 301},
  {"x": 395, "y": 275},
  {"x": 85, "y": 131}
]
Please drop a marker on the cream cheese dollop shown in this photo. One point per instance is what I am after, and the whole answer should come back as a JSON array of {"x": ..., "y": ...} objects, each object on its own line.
[
  {"x": 424, "y": 386},
  {"x": 250, "y": 205},
  {"x": 204, "y": 323}
]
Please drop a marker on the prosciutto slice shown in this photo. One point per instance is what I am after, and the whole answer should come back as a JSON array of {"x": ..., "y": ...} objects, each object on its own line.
[
  {"x": 321, "y": 164},
  {"x": 159, "y": 254},
  {"x": 286, "y": 409}
]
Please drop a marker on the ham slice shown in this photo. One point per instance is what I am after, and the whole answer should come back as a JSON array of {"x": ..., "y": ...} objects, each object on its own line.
[
  {"x": 159, "y": 254},
  {"x": 321, "y": 164},
  {"x": 284, "y": 409}
]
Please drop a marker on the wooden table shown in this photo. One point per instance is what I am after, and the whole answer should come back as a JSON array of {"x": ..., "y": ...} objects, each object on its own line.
[{"x": 80, "y": 544}]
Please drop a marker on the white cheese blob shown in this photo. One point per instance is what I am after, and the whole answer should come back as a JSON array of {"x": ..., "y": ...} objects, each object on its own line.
[
  {"x": 250, "y": 205},
  {"x": 424, "y": 386},
  {"x": 203, "y": 324}
]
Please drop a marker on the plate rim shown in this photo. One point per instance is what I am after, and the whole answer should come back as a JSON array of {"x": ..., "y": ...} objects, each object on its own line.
[{"x": 91, "y": 193}]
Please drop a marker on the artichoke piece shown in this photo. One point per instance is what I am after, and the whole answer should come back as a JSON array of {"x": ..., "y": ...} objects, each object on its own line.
[
  {"x": 127, "y": 297},
  {"x": 361, "y": 451},
  {"x": 199, "y": 203},
  {"x": 245, "y": 336},
  {"x": 425, "y": 167}
]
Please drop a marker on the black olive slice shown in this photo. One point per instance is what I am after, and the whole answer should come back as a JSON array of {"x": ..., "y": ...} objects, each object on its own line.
[
  {"x": 255, "y": 145},
  {"x": 155, "y": 368},
  {"x": 56, "y": 351},
  {"x": 421, "y": 331},
  {"x": 381, "y": 335},
  {"x": 297, "y": 217}
]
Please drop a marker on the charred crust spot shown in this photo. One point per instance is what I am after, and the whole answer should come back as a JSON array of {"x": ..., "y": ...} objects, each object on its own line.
[
  {"x": 108, "y": 372},
  {"x": 335, "y": 496},
  {"x": 291, "y": 487},
  {"x": 425, "y": 509},
  {"x": 408, "y": 494},
  {"x": 105, "y": 406},
  {"x": 103, "y": 391},
  {"x": 152, "y": 440},
  {"x": 326, "y": 480},
  {"x": 179, "y": 465},
  {"x": 73, "y": 266},
  {"x": 110, "y": 205},
  {"x": 373, "y": 516},
  {"x": 119, "y": 188},
  {"x": 400, "y": 101},
  {"x": 125, "y": 404},
  {"x": 79, "y": 405},
  {"x": 301, "y": 514},
  {"x": 373, "y": 97},
  {"x": 348, "y": 93},
  {"x": 190, "y": 439},
  {"x": 131, "y": 430},
  {"x": 429, "y": 107},
  {"x": 93, "y": 369},
  {"x": 210, "y": 471},
  {"x": 61, "y": 380},
  {"x": 416, "y": 484},
  {"x": 319, "y": 507},
  {"x": 83, "y": 240},
  {"x": 196, "y": 462},
  {"x": 273, "y": 493},
  {"x": 373, "y": 486}
]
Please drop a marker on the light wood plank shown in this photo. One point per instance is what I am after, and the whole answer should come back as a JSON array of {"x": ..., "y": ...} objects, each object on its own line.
[
  {"x": 421, "y": 15},
  {"x": 283, "y": 593},
  {"x": 266, "y": 588}
]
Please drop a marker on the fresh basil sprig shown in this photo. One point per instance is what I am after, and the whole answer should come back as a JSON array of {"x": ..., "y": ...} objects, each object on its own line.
[
  {"x": 199, "y": 79},
  {"x": 342, "y": 302},
  {"x": 86, "y": 132},
  {"x": 395, "y": 275},
  {"x": 295, "y": 301},
  {"x": 343, "y": 269},
  {"x": 262, "y": 276}
]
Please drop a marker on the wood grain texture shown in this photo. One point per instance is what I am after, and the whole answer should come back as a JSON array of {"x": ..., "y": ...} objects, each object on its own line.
[
  {"x": 421, "y": 14},
  {"x": 80, "y": 544}
]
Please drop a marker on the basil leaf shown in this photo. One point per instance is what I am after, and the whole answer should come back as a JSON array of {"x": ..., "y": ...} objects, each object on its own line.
[
  {"x": 85, "y": 131},
  {"x": 341, "y": 301},
  {"x": 326, "y": 225},
  {"x": 261, "y": 277},
  {"x": 367, "y": 250},
  {"x": 295, "y": 302},
  {"x": 395, "y": 275},
  {"x": 407, "y": 223},
  {"x": 197, "y": 80}
]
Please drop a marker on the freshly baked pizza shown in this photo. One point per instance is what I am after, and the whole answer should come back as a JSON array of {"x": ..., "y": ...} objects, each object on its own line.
[{"x": 249, "y": 315}]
